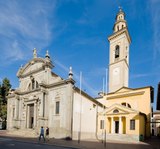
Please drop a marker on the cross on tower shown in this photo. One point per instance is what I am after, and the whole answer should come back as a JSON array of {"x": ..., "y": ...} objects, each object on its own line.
[{"x": 120, "y": 8}]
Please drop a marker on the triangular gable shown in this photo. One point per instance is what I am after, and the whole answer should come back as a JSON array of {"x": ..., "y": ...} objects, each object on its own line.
[
  {"x": 118, "y": 109},
  {"x": 123, "y": 89},
  {"x": 32, "y": 65}
]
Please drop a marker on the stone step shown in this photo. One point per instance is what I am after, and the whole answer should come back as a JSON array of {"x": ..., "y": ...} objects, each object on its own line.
[
  {"x": 120, "y": 137},
  {"x": 24, "y": 132}
]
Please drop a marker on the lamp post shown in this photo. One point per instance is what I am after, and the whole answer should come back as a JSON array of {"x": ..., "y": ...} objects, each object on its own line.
[{"x": 104, "y": 109}]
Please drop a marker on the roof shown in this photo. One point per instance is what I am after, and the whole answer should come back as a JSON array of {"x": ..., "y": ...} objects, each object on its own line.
[
  {"x": 130, "y": 89},
  {"x": 88, "y": 96},
  {"x": 125, "y": 91}
]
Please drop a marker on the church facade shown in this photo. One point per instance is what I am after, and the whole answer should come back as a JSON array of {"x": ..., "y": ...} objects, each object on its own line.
[
  {"x": 45, "y": 99},
  {"x": 127, "y": 112}
]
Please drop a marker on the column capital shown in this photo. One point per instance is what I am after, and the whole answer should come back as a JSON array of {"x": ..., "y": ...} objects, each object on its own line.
[{"x": 120, "y": 116}]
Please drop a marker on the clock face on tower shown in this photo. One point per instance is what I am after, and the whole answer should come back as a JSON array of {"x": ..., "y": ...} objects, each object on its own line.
[
  {"x": 116, "y": 71},
  {"x": 116, "y": 76}
]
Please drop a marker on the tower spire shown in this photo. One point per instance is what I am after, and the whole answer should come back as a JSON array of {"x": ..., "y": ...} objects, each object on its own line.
[
  {"x": 120, "y": 8},
  {"x": 120, "y": 22}
]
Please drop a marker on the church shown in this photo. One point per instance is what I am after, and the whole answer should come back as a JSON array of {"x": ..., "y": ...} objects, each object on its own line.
[
  {"x": 45, "y": 99},
  {"x": 127, "y": 115}
]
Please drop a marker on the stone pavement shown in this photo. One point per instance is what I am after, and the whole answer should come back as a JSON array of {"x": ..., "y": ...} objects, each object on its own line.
[{"x": 153, "y": 143}]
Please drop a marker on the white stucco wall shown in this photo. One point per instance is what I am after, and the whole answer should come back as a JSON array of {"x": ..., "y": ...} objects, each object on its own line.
[{"x": 84, "y": 117}]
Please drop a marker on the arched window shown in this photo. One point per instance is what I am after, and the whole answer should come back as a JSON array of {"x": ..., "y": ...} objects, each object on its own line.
[
  {"x": 117, "y": 51},
  {"x": 37, "y": 85},
  {"x": 122, "y": 26},
  {"x": 33, "y": 84}
]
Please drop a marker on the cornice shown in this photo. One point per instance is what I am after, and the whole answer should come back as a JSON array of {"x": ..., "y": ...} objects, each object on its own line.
[
  {"x": 43, "y": 85},
  {"x": 126, "y": 95},
  {"x": 30, "y": 100},
  {"x": 119, "y": 22},
  {"x": 120, "y": 61},
  {"x": 18, "y": 92},
  {"x": 62, "y": 82},
  {"x": 124, "y": 30},
  {"x": 11, "y": 96}
]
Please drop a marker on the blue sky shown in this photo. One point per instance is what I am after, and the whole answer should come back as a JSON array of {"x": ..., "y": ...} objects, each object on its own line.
[{"x": 75, "y": 33}]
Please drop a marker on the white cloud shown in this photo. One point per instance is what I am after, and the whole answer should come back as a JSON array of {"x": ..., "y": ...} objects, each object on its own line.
[
  {"x": 85, "y": 85},
  {"x": 144, "y": 75},
  {"x": 24, "y": 25},
  {"x": 155, "y": 11}
]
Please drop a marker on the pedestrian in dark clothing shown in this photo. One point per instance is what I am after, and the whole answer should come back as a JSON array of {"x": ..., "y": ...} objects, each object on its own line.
[
  {"x": 47, "y": 133},
  {"x": 41, "y": 134}
]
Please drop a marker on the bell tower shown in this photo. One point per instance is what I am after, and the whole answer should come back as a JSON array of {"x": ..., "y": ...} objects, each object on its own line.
[{"x": 119, "y": 43}]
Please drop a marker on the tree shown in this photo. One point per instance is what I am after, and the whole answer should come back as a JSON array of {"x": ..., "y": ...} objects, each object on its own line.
[{"x": 4, "y": 89}]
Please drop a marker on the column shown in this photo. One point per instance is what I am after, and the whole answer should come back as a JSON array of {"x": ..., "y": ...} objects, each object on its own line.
[
  {"x": 112, "y": 125},
  {"x": 17, "y": 108},
  {"x": 28, "y": 114},
  {"x": 35, "y": 115},
  {"x": 20, "y": 111},
  {"x": 41, "y": 105},
  {"x": 120, "y": 125},
  {"x": 44, "y": 104}
]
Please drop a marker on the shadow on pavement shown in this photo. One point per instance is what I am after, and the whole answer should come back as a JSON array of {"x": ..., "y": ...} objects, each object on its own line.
[{"x": 152, "y": 143}]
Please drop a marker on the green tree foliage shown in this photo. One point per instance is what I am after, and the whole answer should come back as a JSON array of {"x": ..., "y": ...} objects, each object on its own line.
[{"x": 4, "y": 89}]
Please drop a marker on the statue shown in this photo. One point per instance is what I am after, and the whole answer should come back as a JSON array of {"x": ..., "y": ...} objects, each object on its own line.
[{"x": 34, "y": 53}]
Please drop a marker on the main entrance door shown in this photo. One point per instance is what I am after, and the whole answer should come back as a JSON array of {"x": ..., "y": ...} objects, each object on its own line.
[
  {"x": 116, "y": 126},
  {"x": 31, "y": 115}
]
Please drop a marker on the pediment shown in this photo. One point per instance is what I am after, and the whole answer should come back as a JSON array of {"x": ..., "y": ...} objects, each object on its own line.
[
  {"x": 123, "y": 89},
  {"x": 118, "y": 109},
  {"x": 33, "y": 65}
]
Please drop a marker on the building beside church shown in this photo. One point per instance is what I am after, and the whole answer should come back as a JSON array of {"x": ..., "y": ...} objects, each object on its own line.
[
  {"x": 45, "y": 99},
  {"x": 156, "y": 123},
  {"x": 156, "y": 115},
  {"x": 158, "y": 97},
  {"x": 128, "y": 111}
]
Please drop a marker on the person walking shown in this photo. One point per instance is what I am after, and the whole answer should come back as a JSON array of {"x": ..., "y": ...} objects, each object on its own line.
[
  {"x": 41, "y": 134},
  {"x": 47, "y": 134}
]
